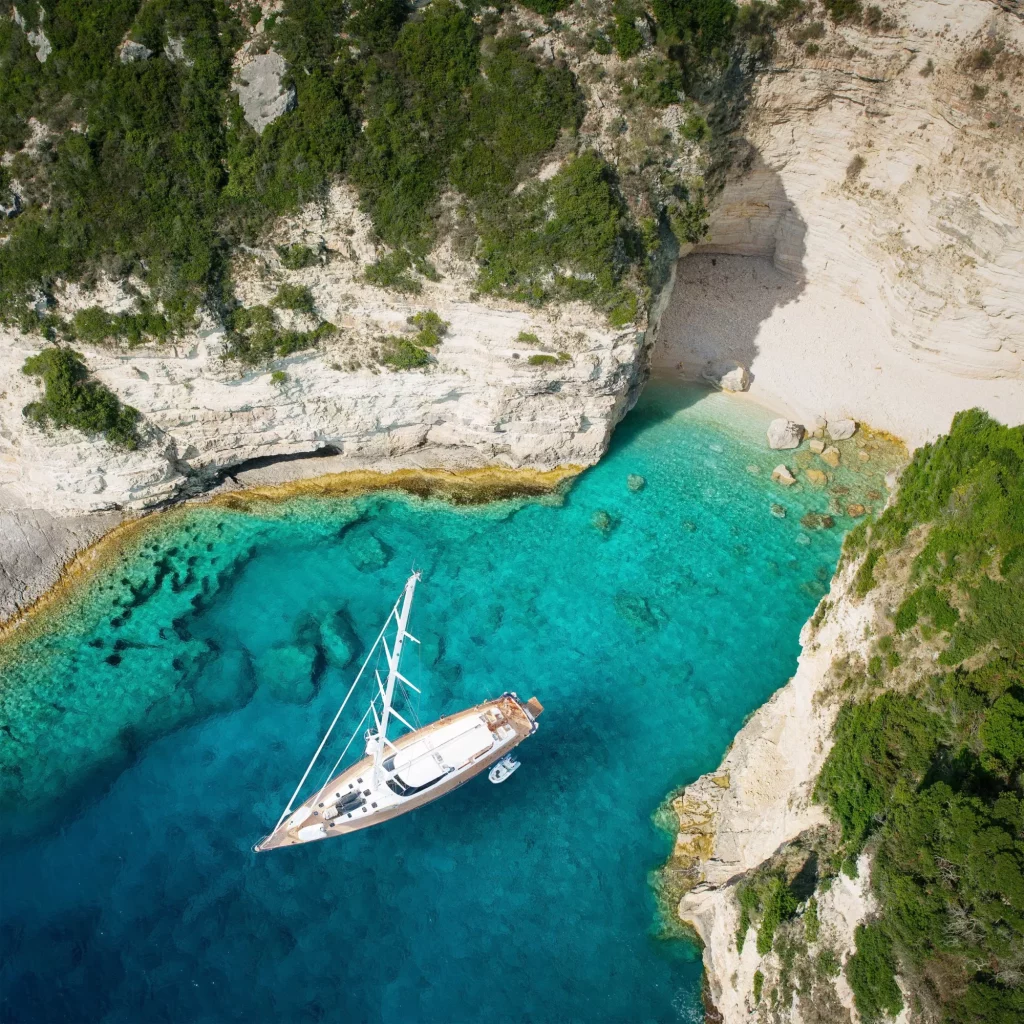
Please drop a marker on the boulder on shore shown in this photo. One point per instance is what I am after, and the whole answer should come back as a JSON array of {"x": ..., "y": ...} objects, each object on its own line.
[
  {"x": 784, "y": 434},
  {"x": 816, "y": 445},
  {"x": 831, "y": 456},
  {"x": 781, "y": 475},
  {"x": 732, "y": 377},
  {"x": 840, "y": 430}
]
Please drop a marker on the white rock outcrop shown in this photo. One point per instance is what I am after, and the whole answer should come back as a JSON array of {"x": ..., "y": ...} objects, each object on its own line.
[
  {"x": 783, "y": 433},
  {"x": 260, "y": 91},
  {"x": 132, "y": 51}
]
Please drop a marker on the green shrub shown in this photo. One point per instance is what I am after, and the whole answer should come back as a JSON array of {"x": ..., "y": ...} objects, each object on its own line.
[
  {"x": 843, "y": 10},
  {"x": 94, "y": 326},
  {"x": 542, "y": 359},
  {"x": 402, "y": 354},
  {"x": 766, "y": 899},
  {"x": 659, "y": 83},
  {"x": 297, "y": 257},
  {"x": 933, "y": 775},
  {"x": 72, "y": 399},
  {"x": 695, "y": 129},
  {"x": 577, "y": 221},
  {"x": 294, "y": 296},
  {"x": 623, "y": 33},
  {"x": 812, "y": 923},
  {"x": 392, "y": 271},
  {"x": 758, "y": 986},
  {"x": 688, "y": 218},
  {"x": 827, "y": 964},
  {"x": 279, "y": 378},
  {"x": 871, "y": 972},
  {"x": 255, "y": 336},
  {"x": 625, "y": 310},
  {"x": 926, "y": 601},
  {"x": 431, "y": 328},
  {"x": 528, "y": 338},
  {"x": 705, "y": 27}
]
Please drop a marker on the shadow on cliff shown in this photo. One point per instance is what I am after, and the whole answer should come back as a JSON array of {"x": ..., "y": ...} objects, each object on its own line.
[{"x": 751, "y": 264}]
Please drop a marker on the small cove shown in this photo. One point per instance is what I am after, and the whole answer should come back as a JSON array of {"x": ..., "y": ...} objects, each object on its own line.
[{"x": 171, "y": 707}]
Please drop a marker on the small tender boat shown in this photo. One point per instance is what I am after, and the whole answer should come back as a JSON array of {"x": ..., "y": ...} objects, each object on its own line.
[
  {"x": 503, "y": 769},
  {"x": 396, "y": 776}
]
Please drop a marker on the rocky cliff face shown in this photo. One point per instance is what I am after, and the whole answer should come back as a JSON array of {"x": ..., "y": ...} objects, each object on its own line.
[
  {"x": 483, "y": 401},
  {"x": 876, "y": 200},
  {"x": 758, "y": 804}
]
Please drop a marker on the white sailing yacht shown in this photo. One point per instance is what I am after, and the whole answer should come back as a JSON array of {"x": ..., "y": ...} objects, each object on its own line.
[{"x": 399, "y": 774}]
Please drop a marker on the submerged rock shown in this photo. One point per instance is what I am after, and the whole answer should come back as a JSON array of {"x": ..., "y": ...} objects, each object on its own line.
[
  {"x": 781, "y": 475},
  {"x": 817, "y": 521},
  {"x": 286, "y": 670},
  {"x": 784, "y": 434},
  {"x": 831, "y": 456},
  {"x": 840, "y": 430},
  {"x": 635, "y": 482},
  {"x": 779, "y": 511},
  {"x": 638, "y": 611},
  {"x": 816, "y": 445},
  {"x": 602, "y": 522},
  {"x": 816, "y": 478},
  {"x": 855, "y": 510}
]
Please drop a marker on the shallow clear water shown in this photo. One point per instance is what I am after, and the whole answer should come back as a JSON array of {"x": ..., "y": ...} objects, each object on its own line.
[{"x": 154, "y": 730}]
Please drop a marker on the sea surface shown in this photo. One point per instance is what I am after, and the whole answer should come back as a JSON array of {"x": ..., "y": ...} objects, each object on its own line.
[{"x": 155, "y": 725}]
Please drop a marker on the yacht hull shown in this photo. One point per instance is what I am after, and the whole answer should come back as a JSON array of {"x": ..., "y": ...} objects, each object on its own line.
[{"x": 508, "y": 721}]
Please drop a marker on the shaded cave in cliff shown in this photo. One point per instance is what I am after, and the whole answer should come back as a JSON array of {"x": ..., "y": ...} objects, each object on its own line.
[{"x": 727, "y": 287}]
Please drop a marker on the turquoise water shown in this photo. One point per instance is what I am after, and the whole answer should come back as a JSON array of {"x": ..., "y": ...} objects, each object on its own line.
[{"x": 154, "y": 731}]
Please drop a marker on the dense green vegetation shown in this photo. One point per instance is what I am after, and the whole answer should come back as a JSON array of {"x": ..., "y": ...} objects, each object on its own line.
[
  {"x": 930, "y": 776},
  {"x": 147, "y": 170},
  {"x": 767, "y": 900},
  {"x": 72, "y": 399}
]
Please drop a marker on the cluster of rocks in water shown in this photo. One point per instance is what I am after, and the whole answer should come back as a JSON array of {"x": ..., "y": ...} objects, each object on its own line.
[{"x": 816, "y": 464}]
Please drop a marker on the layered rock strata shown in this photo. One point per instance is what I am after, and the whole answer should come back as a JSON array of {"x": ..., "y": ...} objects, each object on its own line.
[{"x": 866, "y": 257}]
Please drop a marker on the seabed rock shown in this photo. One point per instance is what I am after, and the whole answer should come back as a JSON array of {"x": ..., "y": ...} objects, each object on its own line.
[
  {"x": 779, "y": 511},
  {"x": 817, "y": 521},
  {"x": 816, "y": 478},
  {"x": 784, "y": 434},
  {"x": 831, "y": 456},
  {"x": 855, "y": 510},
  {"x": 602, "y": 522},
  {"x": 635, "y": 482},
  {"x": 781, "y": 475}
]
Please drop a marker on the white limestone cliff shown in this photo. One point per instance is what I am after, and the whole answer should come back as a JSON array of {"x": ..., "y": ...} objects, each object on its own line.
[
  {"x": 733, "y": 820},
  {"x": 866, "y": 257}
]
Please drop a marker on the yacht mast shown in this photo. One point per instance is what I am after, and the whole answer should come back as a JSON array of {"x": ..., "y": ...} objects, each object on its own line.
[{"x": 393, "y": 658}]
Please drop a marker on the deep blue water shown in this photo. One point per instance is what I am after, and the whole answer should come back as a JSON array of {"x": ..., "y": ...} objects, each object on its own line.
[{"x": 156, "y": 729}]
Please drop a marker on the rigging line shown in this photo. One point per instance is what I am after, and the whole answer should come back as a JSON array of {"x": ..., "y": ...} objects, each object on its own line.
[
  {"x": 330, "y": 774},
  {"x": 319, "y": 750}
]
